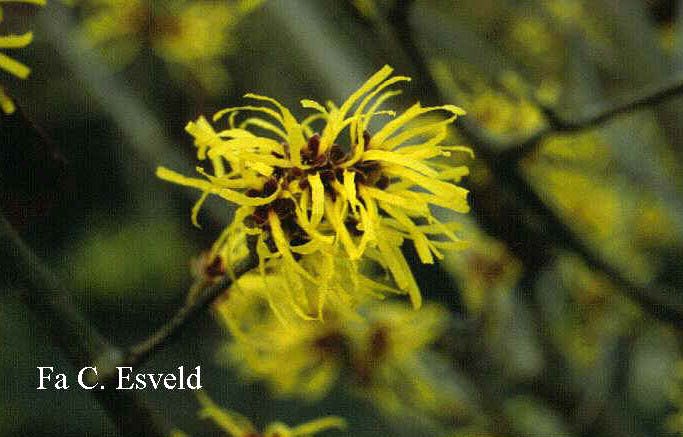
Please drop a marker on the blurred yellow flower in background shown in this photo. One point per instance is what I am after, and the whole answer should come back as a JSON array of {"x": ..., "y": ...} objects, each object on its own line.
[
  {"x": 484, "y": 269},
  {"x": 10, "y": 65},
  {"x": 379, "y": 351},
  {"x": 504, "y": 111},
  {"x": 236, "y": 425},
  {"x": 190, "y": 36},
  {"x": 302, "y": 194}
]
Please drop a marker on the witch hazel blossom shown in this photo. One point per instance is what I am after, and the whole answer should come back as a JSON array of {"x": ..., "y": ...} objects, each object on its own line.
[{"x": 304, "y": 195}]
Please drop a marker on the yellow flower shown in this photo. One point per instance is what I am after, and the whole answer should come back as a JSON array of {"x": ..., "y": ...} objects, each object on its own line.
[
  {"x": 10, "y": 65},
  {"x": 191, "y": 35},
  {"x": 485, "y": 270},
  {"x": 379, "y": 350},
  {"x": 503, "y": 112},
  {"x": 236, "y": 425},
  {"x": 302, "y": 194}
]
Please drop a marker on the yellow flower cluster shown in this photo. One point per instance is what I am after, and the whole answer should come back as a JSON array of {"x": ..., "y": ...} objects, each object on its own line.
[
  {"x": 485, "y": 270},
  {"x": 192, "y": 35},
  {"x": 574, "y": 172},
  {"x": 325, "y": 214},
  {"x": 503, "y": 112},
  {"x": 10, "y": 65},
  {"x": 378, "y": 349},
  {"x": 236, "y": 425}
]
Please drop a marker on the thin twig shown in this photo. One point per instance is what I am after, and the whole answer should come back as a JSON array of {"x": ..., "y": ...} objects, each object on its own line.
[
  {"x": 79, "y": 340},
  {"x": 137, "y": 355},
  {"x": 600, "y": 114},
  {"x": 507, "y": 174}
]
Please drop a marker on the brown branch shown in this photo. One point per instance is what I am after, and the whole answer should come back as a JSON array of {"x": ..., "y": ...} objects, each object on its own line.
[
  {"x": 529, "y": 242},
  {"x": 648, "y": 97},
  {"x": 137, "y": 355},
  {"x": 78, "y": 339}
]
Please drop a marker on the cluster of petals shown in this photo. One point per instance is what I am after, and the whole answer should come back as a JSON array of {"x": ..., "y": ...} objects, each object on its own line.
[
  {"x": 374, "y": 346},
  {"x": 191, "y": 37},
  {"x": 309, "y": 201}
]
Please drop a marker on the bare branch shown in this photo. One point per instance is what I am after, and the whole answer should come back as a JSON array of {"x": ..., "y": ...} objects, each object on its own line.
[
  {"x": 600, "y": 114},
  {"x": 512, "y": 228},
  {"x": 79, "y": 340},
  {"x": 136, "y": 355}
]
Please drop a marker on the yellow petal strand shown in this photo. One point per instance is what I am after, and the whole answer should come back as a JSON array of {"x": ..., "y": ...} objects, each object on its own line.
[
  {"x": 312, "y": 104},
  {"x": 259, "y": 122},
  {"x": 409, "y": 134},
  {"x": 360, "y": 146},
  {"x": 455, "y": 204},
  {"x": 463, "y": 149},
  {"x": 422, "y": 152},
  {"x": 204, "y": 135},
  {"x": 225, "y": 181},
  {"x": 396, "y": 158},
  {"x": 454, "y": 174},
  {"x": 350, "y": 188},
  {"x": 412, "y": 288},
  {"x": 335, "y": 214},
  {"x": 241, "y": 199},
  {"x": 197, "y": 206},
  {"x": 6, "y": 103},
  {"x": 439, "y": 188},
  {"x": 318, "y": 425},
  {"x": 236, "y": 425},
  {"x": 235, "y": 133},
  {"x": 318, "y": 199},
  {"x": 312, "y": 246},
  {"x": 267, "y": 159},
  {"x": 236, "y": 145},
  {"x": 369, "y": 284},
  {"x": 368, "y": 227},
  {"x": 177, "y": 178},
  {"x": 310, "y": 119},
  {"x": 420, "y": 240},
  {"x": 374, "y": 110},
  {"x": 406, "y": 117},
  {"x": 370, "y": 84},
  {"x": 359, "y": 111},
  {"x": 400, "y": 270},
  {"x": 218, "y": 166},
  {"x": 15, "y": 67},
  {"x": 389, "y": 128},
  {"x": 337, "y": 117},
  {"x": 295, "y": 136},
  {"x": 393, "y": 199},
  {"x": 16, "y": 41},
  {"x": 232, "y": 196},
  {"x": 35, "y": 2},
  {"x": 301, "y": 212},
  {"x": 441, "y": 228},
  {"x": 428, "y": 149},
  {"x": 283, "y": 246},
  {"x": 260, "y": 168}
]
